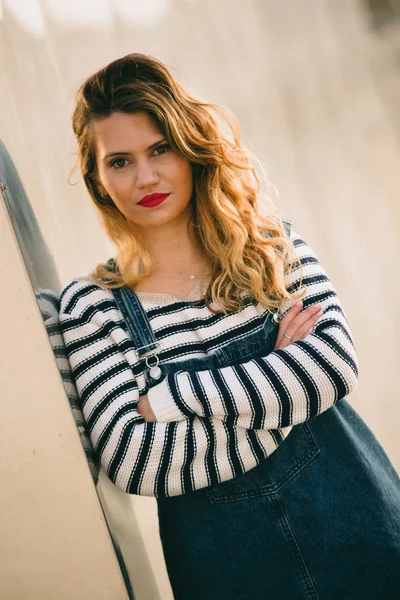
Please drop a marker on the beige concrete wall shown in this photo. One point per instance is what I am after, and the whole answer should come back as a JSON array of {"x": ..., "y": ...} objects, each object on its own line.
[
  {"x": 54, "y": 541},
  {"x": 312, "y": 89}
]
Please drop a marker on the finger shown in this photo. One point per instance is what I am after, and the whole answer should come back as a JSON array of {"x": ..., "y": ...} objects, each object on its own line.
[
  {"x": 283, "y": 340},
  {"x": 309, "y": 325},
  {"x": 301, "y": 326},
  {"x": 291, "y": 323},
  {"x": 141, "y": 405},
  {"x": 291, "y": 314},
  {"x": 282, "y": 343}
]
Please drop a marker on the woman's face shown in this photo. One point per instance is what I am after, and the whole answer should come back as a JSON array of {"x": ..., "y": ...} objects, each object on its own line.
[{"x": 142, "y": 163}]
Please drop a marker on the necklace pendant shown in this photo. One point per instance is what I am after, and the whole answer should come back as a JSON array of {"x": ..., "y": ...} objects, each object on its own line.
[{"x": 155, "y": 372}]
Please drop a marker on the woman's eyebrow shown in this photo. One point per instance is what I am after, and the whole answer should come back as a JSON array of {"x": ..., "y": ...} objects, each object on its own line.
[{"x": 127, "y": 153}]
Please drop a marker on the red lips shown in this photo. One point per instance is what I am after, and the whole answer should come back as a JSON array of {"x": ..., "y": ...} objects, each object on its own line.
[{"x": 153, "y": 199}]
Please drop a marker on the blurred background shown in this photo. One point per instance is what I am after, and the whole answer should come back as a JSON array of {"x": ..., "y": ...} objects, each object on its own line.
[{"x": 315, "y": 85}]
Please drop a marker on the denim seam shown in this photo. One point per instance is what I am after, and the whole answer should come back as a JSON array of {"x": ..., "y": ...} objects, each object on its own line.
[
  {"x": 249, "y": 354},
  {"x": 216, "y": 498},
  {"x": 264, "y": 491},
  {"x": 253, "y": 346},
  {"x": 295, "y": 548}
]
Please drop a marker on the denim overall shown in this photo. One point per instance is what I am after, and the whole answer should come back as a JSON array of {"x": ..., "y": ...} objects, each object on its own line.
[{"x": 317, "y": 519}]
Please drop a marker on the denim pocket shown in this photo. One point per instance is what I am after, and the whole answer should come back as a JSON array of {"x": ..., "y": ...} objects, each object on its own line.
[{"x": 296, "y": 451}]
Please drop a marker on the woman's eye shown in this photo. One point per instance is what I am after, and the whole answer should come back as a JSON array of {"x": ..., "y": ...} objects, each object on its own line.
[
  {"x": 114, "y": 165},
  {"x": 161, "y": 149}
]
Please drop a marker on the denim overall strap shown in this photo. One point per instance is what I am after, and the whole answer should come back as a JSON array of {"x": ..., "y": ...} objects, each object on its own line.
[
  {"x": 288, "y": 226},
  {"x": 141, "y": 331},
  {"x": 132, "y": 310}
]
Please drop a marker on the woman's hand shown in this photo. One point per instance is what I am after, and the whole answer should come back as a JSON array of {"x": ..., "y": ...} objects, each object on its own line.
[
  {"x": 144, "y": 409},
  {"x": 297, "y": 324}
]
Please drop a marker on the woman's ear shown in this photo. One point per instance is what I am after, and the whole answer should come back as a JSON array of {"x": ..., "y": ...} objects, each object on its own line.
[{"x": 102, "y": 191}]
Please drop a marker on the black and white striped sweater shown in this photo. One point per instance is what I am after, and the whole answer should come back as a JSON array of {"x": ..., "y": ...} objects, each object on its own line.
[{"x": 198, "y": 440}]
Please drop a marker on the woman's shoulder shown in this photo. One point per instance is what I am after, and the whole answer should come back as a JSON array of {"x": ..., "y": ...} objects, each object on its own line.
[{"x": 80, "y": 294}]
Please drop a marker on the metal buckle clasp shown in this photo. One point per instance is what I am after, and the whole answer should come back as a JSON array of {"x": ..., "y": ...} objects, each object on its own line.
[{"x": 149, "y": 352}]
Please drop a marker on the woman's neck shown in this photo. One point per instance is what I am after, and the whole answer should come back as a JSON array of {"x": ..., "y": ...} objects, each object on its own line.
[{"x": 175, "y": 252}]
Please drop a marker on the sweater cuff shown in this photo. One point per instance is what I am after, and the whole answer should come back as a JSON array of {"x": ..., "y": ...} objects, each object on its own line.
[{"x": 163, "y": 404}]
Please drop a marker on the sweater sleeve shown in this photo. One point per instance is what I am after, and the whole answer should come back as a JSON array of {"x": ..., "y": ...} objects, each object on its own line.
[
  {"x": 138, "y": 457},
  {"x": 149, "y": 459},
  {"x": 283, "y": 388}
]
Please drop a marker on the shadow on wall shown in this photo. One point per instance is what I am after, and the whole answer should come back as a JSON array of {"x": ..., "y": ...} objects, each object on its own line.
[
  {"x": 46, "y": 286},
  {"x": 45, "y": 283}
]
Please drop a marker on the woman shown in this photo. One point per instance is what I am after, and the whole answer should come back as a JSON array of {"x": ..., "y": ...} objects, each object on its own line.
[{"x": 212, "y": 359}]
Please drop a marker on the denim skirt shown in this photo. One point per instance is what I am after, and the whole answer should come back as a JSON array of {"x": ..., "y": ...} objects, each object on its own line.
[{"x": 319, "y": 518}]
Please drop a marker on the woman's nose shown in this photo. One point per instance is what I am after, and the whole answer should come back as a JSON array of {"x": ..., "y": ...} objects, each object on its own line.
[{"x": 145, "y": 175}]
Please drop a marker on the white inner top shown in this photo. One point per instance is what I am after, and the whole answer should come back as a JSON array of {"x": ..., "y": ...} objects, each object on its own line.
[{"x": 196, "y": 293}]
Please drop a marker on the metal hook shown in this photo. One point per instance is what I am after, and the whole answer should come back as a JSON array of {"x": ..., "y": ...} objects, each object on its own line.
[{"x": 155, "y": 371}]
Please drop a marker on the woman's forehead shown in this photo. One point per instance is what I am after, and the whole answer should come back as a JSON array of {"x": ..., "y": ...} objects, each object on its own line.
[{"x": 134, "y": 131}]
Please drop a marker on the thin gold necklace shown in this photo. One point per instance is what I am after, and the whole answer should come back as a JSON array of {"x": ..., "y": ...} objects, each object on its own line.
[{"x": 190, "y": 277}]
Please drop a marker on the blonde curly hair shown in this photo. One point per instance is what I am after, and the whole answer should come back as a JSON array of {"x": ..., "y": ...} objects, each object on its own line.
[{"x": 249, "y": 252}]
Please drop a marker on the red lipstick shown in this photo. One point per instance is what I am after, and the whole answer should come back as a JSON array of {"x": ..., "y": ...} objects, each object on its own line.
[{"x": 152, "y": 199}]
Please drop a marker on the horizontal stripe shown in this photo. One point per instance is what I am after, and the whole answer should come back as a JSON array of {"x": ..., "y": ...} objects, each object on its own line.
[{"x": 227, "y": 419}]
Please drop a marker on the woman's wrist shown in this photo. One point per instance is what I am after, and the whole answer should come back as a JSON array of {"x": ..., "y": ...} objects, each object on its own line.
[{"x": 163, "y": 404}]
